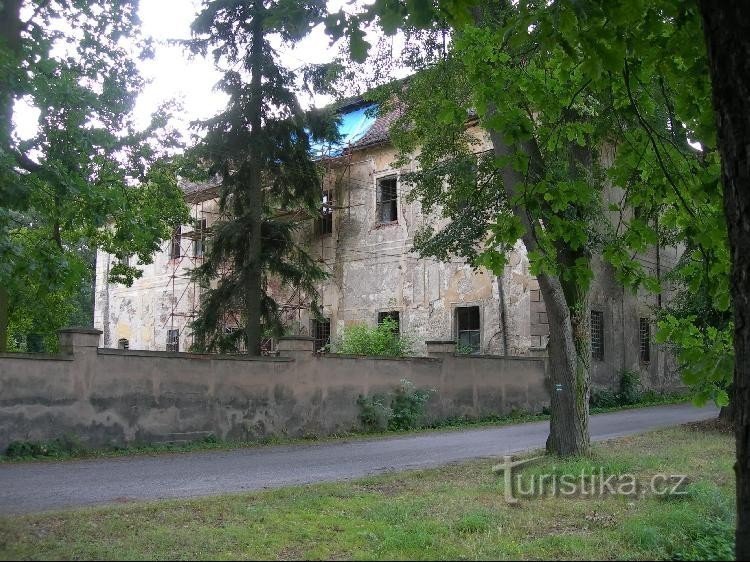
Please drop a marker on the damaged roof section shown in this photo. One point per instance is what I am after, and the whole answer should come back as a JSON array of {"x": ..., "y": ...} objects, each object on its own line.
[{"x": 361, "y": 126}]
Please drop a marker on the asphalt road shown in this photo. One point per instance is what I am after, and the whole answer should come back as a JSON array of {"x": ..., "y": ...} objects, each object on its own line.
[{"x": 33, "y": 487}]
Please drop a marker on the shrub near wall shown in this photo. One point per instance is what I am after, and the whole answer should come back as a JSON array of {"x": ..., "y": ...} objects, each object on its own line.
[{"x": 383, "y": 340}]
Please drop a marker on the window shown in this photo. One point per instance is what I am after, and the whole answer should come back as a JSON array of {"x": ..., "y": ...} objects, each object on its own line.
[
  {"x": 174, "y": 246},
  {"x": 393, "y": 315},
  {"x": 387, "y": 200},
  {"x": 321, "y": 331},
  {"x": 173, "y": 340},
  {"x": 199, "y": 238},
  {"x": 468, "y": 334},
  {"x": 597, "y": 335},
  {"x": 644, "y": 337},
  {"x": 324, "y": 224},
  {"x": 123, "y": 343}
]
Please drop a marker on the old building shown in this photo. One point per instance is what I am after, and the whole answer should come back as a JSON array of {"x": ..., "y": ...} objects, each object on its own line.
[{"x": 364, "y": 239}]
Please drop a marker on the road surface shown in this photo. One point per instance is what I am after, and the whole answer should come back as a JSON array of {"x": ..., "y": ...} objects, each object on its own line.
[{"x": 33, "y": 487}]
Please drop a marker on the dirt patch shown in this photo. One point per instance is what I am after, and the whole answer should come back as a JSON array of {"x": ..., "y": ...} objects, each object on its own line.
[{"x": 713, "y": 425}]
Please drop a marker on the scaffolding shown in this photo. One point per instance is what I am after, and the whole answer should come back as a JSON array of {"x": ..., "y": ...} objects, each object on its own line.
[{"x": 335, "y": 162}]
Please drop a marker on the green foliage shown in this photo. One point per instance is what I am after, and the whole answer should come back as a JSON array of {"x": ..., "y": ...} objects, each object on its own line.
[
  {"x": 260, "y": 148},
  {"x": 382, "y": 340},
  {"x": 629, "y": 393},
  {"x": 67, "y": 446},
  {"x": 87, "y": 179},
  {"x": 399, "y": 410},
  {"x": 714, "y": 541}
]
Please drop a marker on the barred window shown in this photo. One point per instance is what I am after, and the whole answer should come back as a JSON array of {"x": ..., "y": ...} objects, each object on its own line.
[
  {"x": 468, "y": 329},
  {"x": 324, "y": 224},
  {"x": 393, "y": 315},
  {"x": 597, "y": 335},
  {"x": 321, "y": 331},
  {"x": 123, "y": 343},
  {"x": 173, "y": 340},
  {"x": 644, "y": 337},
  {"x": 387, "y": 200}
]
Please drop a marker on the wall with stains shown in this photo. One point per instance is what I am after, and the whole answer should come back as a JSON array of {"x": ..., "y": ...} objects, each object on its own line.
[
  {"x": 106, "y": 396},
  {"x": 373, "y": 269}
]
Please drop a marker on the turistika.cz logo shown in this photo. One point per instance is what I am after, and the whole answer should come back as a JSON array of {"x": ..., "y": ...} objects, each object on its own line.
[{"x": 587, "y": 483}]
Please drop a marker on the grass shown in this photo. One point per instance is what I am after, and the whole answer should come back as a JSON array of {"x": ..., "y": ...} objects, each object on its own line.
[
  {"x": 69, "y": 447},
  {"x": 454, "y": 512}
]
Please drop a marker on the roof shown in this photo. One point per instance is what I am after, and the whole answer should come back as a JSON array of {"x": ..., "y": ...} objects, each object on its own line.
[{"x": 361, "y": 126}]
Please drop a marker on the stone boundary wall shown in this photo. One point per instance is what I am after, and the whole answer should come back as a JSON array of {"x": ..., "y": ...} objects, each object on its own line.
[{"x": 110, "y": 396}]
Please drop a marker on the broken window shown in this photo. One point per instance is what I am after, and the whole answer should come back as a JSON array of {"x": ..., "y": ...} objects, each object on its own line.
[
  {"x": 173, "y": 340},
  {"x": 123, "y": 343},
  {"x": 644, "y": 333},
  {"x": 468, "y": 330},
  {"x": 324, "y": 224},
  {"x": 597, "y": 335},
  {"x": 174, "y": 246},
  {"x": 387, "y": 200},
  {"x": 321, "y": 331},
  {"x": 393, "y": 315},
  {"x": 199, "y": 238}
]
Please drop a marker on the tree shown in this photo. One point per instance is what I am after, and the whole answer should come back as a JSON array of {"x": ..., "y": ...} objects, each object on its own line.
[
  {"x": 88, "y": 179},
  {"x": 260, "y": 147},
  {"x": 559, "y": 95},
  {"x": 727, "y": 31}
]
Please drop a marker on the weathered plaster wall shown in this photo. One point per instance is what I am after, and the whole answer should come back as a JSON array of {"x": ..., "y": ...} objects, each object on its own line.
[{"x": 111, "y": 396}]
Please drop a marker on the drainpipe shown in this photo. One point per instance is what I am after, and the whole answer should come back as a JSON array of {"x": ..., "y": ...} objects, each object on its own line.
[{"x": 503, "y": 313}]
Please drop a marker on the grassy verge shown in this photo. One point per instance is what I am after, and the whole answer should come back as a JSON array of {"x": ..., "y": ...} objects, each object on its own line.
[
  {"x": 68, "y": 448},
  {"x": 455, "y": 512}
]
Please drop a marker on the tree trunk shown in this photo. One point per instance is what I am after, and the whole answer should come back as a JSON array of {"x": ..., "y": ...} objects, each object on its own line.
[
  {"x": 726, "y": 26},
  {"x": 253, "y": 272},
  {"x": 569, "y": 347}
]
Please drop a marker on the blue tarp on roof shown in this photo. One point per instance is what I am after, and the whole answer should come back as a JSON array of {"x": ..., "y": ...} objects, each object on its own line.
[{"x": 353, "y": 125}]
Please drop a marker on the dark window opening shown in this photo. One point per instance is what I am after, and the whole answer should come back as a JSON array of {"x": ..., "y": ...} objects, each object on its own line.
[
  {"x": 123, "y": 343},
  {"x": 468, "y": 329},
  {"x": 324, "y": 224},
  {"x": 387, "y": 200},
  {"x": 393, "y": 315},
  {"x": 175, "y": 244},
  {"x": 321, "y": 331},
  {"x": 644, "y": 336},
  {"x": 173, "y": 340},
  {"x": 199, "y": 240},
  {"x": 597, "y": 335}
]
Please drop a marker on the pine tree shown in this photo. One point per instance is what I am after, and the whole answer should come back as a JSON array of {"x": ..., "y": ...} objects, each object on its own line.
[{"x": 260, "y": 147}]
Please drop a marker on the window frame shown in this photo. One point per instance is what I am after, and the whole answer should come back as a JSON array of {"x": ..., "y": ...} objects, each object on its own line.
[
  {"x": 173, "y": 340},
  {"x": 393, "y": 314},
  {"x": 324, "y": 223},
  {"x": 391, "y": 201},
  {"x": 316, "y": 324},
  {"x": 458, "y": 330},
  {"x": 644, "y": 339},
  {"x": 199, "y": 237},
  {"x": 175, "y": 243},
  {"x": 597, "y": 335}
]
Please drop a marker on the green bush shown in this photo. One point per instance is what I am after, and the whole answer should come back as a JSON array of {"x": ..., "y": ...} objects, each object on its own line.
[
  {"x": 398, "y": 410},
  {"x": 629, "y": 393},
  {"x": 381, "y": 341},
  {"x": 630, "y": 387},
  {"x": 67, "y": 446}
]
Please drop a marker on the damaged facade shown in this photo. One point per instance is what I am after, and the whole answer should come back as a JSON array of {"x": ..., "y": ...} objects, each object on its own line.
[{"x": 364, "y": 240}]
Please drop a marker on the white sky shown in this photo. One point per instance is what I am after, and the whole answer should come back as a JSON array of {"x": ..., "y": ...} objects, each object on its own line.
[{"x": 172, "y": 74}]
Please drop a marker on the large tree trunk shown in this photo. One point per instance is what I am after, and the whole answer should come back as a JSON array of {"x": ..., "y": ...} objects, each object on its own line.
[
  {"x": 569, "y": 344},
  {"x": 726, "y": 26},
  {"x": 254, "y": 273}
]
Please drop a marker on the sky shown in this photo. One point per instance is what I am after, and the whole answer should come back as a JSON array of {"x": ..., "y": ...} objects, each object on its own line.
[{"x": 174, "y": 75}]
